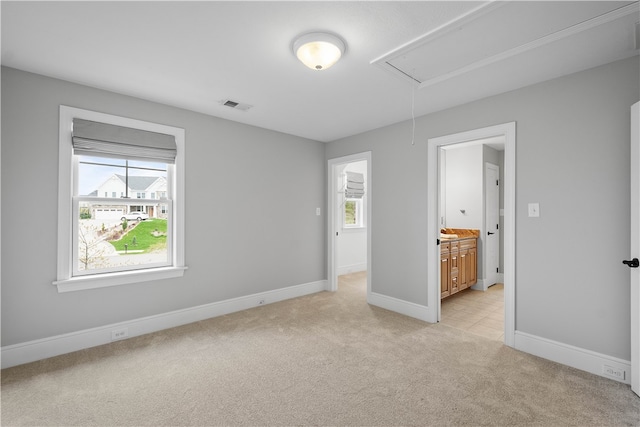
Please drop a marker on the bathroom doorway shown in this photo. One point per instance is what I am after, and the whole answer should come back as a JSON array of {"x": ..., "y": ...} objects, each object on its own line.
[
  {"x": 470, "y": 201},
  {"x": 507, "y": 134}
]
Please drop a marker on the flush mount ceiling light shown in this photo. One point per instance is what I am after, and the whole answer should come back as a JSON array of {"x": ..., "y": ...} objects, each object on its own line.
[{"x": 318, "y": 51}]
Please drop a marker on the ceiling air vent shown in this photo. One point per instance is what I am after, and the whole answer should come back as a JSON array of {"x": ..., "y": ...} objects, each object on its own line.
[{"x": 235, "y": 105}]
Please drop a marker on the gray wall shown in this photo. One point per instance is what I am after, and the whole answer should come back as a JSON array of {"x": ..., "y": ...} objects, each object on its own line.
[
  {"x": 572, "y": 157},
  {"x": 244, "y": 232},
  {"x": 245, "y": 236}
]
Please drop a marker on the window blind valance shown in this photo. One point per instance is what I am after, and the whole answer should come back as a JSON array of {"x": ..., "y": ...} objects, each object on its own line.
[
  {"x": 105, "y": 140},
  {"x": 354, "y": 188}
]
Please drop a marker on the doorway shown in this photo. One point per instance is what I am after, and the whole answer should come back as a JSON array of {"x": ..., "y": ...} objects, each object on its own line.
[
  {"x": 359, "y": 222},
  {"x": 507, "y": 133}
]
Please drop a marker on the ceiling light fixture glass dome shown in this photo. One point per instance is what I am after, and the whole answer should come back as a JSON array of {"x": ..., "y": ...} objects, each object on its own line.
[{"x": 318, "y": 51}]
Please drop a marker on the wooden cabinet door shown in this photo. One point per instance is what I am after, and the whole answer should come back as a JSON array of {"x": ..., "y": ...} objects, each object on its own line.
[
  {"x": 472, "y": 267},
  {"x": 463, "y": 270},
  {"x": 445, "y": 270},
  {"x": 468, "y": 264},
  {"x": 445, "y": 276},
  {"x": 454, "y": 259}
]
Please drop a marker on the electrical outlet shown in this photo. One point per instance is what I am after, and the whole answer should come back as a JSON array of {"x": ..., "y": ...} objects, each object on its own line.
[
  {"x": 617, "y": 373},
  {"x": 261, "y": 301},
  {"x": 119, "y": 334}
]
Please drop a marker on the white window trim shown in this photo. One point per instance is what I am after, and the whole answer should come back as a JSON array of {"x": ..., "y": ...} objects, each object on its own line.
[{"x": 65, "y": 281}]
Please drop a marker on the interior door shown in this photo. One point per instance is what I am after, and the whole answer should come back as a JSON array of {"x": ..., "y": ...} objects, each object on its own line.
[
  {"x": 632, "y": 262},
  {"x": 492, "y": 236}
]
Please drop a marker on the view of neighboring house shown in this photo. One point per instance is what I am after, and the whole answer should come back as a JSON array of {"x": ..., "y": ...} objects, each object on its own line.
[{"x": 150, "y": 190}]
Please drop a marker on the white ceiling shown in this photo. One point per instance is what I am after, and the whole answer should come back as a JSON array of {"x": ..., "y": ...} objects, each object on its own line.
[{"x": 195, "y": 54}]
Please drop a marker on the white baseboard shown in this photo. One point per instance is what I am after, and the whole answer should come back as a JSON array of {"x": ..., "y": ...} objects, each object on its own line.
[
  {"x": 576, "y": 357},
  {"x": 353, "y": 268},
  {"x": 481, "y": 286},
  {"x": 31, "y": 351},
  {"x": 410, "y": 309}
]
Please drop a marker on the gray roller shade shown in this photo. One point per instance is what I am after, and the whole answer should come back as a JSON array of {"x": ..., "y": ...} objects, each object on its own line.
[{"x": 105, "y": 140}]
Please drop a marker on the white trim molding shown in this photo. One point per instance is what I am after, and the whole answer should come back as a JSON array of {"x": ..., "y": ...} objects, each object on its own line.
[
  {"x": 575, "y": 357},
  {"x": 417, "y": 311},
  {"x": 18, "y": 354}
]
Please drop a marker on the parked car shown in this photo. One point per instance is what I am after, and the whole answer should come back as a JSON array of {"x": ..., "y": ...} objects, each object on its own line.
[{"x": 137, "y": 215}]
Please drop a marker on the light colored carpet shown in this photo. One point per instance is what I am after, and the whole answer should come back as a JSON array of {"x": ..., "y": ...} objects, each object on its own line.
[{"x": 323, "y": 359}]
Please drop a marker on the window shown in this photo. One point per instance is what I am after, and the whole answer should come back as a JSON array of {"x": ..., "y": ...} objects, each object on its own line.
[
  {"x": 353, "y": 215},
  {"x": 354, "y": 191},
  {"x": 115, "y": 241},
  {"x": 112, "y": 244}
]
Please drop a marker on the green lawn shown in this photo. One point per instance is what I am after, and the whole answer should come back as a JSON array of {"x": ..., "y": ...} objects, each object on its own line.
[{"x": 145, "y": 240}]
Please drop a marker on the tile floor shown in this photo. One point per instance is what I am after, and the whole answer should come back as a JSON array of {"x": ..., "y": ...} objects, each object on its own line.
[
  {"x": 478, "y": 312},
  {"x": 481, "y": 313}
]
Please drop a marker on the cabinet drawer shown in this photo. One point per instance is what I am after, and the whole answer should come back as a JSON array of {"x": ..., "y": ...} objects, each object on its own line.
[{"x": 468, "y": 243}]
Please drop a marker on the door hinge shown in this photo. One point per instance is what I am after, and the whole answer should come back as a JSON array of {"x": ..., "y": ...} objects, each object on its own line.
[
  {"x": 497, "y": 182},
  {"x": 496, "y": 269}
]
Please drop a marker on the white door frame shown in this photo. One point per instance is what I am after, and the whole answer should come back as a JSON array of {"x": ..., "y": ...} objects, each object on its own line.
[
  {"x": 634, "y": 279},
  {"x": 333, "y": 227},
  {"x": 508, "y": 131}
]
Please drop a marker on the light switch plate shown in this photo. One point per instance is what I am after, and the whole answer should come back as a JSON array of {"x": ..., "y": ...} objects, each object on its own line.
[
  {"x": 318, "y": 211},
  {"x": 534, "y": 210}
]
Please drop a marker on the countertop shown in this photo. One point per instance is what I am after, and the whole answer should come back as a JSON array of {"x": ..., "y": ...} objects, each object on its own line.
[{"x": 458, "y": 233}]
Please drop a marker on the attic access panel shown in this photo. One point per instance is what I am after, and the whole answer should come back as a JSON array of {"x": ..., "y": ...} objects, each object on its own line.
[{"x": 491, "y": 32}]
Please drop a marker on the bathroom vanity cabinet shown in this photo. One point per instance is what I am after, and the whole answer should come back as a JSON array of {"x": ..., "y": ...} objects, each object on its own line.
[{"x": 458, "y": 264}]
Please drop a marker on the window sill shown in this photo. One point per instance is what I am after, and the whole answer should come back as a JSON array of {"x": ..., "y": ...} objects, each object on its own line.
[
  {"x": 353, "y": 229},
  {"x": 115, "y": 279}
]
